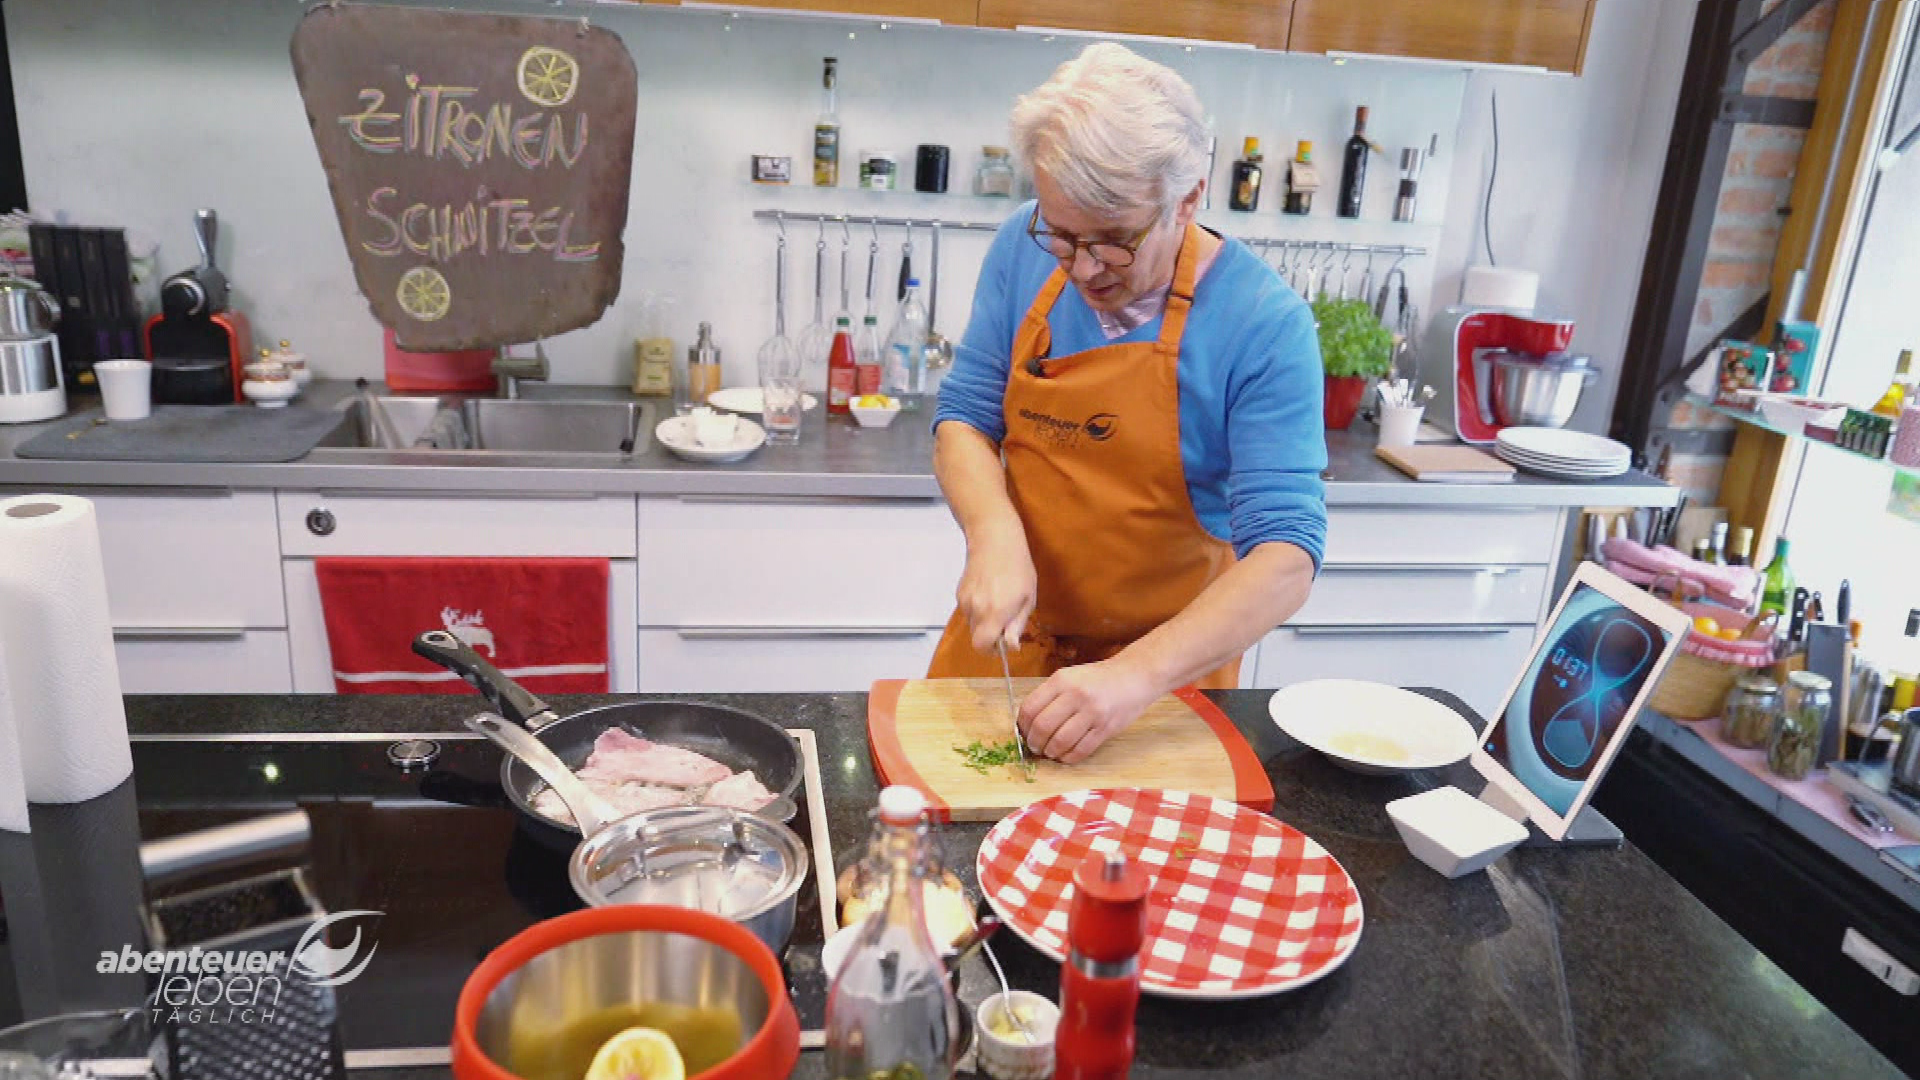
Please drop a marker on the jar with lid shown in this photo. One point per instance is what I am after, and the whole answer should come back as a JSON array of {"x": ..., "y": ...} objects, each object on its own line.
[
  {"x": 995, "y": 175},
  {"x": 1751, "y": 710},
  {"x": 878, "y": 170},
  {"x": 1796, "y": 734}
]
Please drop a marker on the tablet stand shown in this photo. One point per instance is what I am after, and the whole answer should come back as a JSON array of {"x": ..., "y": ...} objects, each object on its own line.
[{"x": 1590, "y": 827}]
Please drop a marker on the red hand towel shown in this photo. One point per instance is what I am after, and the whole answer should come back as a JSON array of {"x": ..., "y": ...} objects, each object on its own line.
[{"x": 542, "y": 621}]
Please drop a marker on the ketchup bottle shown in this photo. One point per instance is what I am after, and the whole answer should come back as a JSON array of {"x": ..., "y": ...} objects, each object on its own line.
[
  {"x": 841, "y": 370},
  {"x": 1100, "y": 982}
]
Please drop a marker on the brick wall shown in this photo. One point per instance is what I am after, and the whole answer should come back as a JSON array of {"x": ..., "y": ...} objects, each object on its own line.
[{"x": 1746, "y": 231}]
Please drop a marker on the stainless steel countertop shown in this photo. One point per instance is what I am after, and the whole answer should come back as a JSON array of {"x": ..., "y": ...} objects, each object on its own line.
[{"x": 831, "y": 459}]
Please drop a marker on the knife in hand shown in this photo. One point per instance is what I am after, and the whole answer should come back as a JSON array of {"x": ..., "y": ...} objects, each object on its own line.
[{"x": 1013, "y": 709}]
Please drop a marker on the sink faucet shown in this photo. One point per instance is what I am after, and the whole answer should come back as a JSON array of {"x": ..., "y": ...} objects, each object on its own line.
[{"x": 512, "y": 370}]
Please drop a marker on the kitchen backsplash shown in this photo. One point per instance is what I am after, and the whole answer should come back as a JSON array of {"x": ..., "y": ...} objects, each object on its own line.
[{"x": 136, "y": 114}]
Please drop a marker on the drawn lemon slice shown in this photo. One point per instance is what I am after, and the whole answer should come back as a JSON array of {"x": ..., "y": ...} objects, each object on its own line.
[
  {"x": 638, "y": 1054},
  {"x": 424, "y": 294},
  {"x": 548, "y": 76}
]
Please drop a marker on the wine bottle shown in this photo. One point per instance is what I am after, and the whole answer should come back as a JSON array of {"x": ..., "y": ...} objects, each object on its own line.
[{"x": 1353, "y": 169}]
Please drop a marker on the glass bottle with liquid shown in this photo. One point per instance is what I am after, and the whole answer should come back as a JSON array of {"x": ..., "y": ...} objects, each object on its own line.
[
  {"x": 1302, "y": 180},
  {"x": 1900, "y": 393},
  {"x": 1247, "y": 172},
  {"x": 826, "y": 130},
  {"x": 890, "y": 1009},
  {"x": 1777, "y": 594},
  {"x": 1353, "y": 167}
]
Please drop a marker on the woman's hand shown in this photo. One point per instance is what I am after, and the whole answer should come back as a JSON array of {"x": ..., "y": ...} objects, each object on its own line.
[
  {"x": 1079, "y": 708},
  {"x": 998, "y": 588}
]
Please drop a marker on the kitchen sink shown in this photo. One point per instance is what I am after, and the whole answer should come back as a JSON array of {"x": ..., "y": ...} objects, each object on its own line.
[{"x": 493, "y": 425}]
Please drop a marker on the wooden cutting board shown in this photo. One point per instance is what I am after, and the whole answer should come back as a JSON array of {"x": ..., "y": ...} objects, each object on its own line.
[{"x": 1183, "y": 743}]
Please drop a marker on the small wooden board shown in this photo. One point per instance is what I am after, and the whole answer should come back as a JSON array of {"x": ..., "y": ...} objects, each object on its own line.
[{"x": 1182, "y": 743}]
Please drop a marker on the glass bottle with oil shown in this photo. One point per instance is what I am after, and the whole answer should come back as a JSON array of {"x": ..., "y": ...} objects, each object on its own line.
[{"x": 1247, "y": 172}]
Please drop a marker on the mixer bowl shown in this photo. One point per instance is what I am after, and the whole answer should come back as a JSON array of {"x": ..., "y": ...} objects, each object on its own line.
[{"x": 1537, "y": 393}]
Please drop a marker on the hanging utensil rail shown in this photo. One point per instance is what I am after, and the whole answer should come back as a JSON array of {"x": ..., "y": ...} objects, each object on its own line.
[
  {"x": 1265, "y": 244},
  {"x": 870, "y": 220}
]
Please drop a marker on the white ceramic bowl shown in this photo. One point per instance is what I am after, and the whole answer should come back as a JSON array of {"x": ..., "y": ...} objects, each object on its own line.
[
  {"x": 875, "y": 418},
  {"x": 1370, "y": 727},
  {"x": 1014, "y": 1058},
  {"x": 270, "y": 395},
  {"x": 1453, "y": 832}
]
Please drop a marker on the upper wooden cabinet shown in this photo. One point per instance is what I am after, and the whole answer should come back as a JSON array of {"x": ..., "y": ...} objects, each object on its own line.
[
  {"x": 1262, "y": 23},
  {"x": 1542, "y": 33},
  {"x": 954, "y": 12}
]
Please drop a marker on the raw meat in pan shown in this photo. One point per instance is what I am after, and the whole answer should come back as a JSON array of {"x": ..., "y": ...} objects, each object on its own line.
[
  {"x": 742, "y": 791},
  {"x": 623, "y": 757}
]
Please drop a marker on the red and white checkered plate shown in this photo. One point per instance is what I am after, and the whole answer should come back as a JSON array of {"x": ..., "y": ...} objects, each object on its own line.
[{"x": 1241, "y": 906}]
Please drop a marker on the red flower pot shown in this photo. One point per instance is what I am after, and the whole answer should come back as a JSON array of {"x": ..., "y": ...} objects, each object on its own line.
[{"x": 1343, "y": 400}]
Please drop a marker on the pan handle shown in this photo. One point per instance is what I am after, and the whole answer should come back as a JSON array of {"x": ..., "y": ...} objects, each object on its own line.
[{"x": 514, "y": 701}]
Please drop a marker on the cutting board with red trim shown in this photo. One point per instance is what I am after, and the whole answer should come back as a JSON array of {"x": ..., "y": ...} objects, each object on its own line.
[{"x": 1183, "y": 742}]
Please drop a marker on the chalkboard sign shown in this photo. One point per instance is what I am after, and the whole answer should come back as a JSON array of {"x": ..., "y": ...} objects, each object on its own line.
[{"x": 479, "y": 166}]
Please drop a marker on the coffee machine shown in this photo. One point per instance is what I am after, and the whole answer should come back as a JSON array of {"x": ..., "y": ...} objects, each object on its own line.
[
  {"x": 1497, "y": 368},
  {"x": 198, "y": 345},
  {"x": 32, "y": 384}
]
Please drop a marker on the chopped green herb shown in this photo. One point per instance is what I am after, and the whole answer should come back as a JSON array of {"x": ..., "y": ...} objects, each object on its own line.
[{"x": 983, "y": 759}]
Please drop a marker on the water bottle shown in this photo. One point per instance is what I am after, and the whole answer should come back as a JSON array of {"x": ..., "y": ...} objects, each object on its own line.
[{"x": 907, "y": 350}]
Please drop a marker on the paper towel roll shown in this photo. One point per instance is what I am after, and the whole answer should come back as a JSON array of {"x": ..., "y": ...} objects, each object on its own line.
[
  {"x": 1499, "y": 287},
  {"x": 61, "y": 676},
  {"x": 13, "y": 785}
]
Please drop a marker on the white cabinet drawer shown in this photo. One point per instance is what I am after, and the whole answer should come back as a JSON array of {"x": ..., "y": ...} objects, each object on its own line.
[
  {"x": 1373, "y": 596},
  {"x": 692, "y": 660},
  {"x": 314, "y": 524},
  {"x": 203, "y": 662},
  {"x": 201, "y": 560},
  {"x": 1476, "y": 663},
  {"x": 1490, "y": 536},
  {"x": 889, "y": 563}
]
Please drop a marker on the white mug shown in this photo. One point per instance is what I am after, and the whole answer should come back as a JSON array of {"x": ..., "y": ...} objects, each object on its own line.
[
  {"x": 126, "y": 388},
  {"x": 1400, "y": 424}
]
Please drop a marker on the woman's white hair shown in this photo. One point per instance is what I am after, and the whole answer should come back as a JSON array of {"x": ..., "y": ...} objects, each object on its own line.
[{"x": 1115, "y": 131}]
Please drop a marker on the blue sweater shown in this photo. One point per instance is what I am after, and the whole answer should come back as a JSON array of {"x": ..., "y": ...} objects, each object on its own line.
[{"x": 1251, "y": 434}]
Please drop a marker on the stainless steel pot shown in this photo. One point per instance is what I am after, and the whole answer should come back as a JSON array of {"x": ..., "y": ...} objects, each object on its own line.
[
  {"x": 26, "y": 309},
  {"x": 29, "y": 366},
  {"x": 1906, "y": 761},
  {"x": 710, "y": 858},
  {"x": 1536, "y": 392}
]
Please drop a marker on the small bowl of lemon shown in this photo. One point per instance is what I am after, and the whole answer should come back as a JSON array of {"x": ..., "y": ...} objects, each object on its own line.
[{"x": 874, "y": 410}]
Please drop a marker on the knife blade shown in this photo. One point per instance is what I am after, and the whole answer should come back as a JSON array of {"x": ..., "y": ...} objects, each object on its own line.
[{"x": 1013, "y": 709}]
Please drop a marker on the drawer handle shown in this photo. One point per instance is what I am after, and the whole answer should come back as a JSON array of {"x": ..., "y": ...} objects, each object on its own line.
[
  {"x": 750, "y": 633},
  {"x": 1438, "y": 569},
  {"x": 321, "y": 522},
  {"x": 179, "y": 633},
  {"x": 1381, "y": 631},
  {"x": 435, "y": 495},
  {"x": 805, "y": 500}
]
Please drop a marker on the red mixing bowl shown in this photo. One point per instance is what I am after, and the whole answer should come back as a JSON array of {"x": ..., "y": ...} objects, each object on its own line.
[{"x": 581, "y": 964}]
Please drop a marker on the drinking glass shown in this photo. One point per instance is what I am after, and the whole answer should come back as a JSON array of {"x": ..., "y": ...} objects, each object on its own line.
[{"x": 782, "y": 378}]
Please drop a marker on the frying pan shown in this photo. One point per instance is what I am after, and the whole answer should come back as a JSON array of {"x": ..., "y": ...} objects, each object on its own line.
[{"x": 739, "y": 740}]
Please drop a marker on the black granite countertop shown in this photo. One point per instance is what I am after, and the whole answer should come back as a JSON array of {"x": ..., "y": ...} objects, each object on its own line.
[{"x": 1586, "y": 963}]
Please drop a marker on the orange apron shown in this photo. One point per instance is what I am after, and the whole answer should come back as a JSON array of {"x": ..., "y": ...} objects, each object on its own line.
[{"x": 1093, "y": 466}]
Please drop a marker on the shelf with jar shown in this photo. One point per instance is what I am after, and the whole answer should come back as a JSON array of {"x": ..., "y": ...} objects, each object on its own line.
[{"x": 1834, "y": 426}]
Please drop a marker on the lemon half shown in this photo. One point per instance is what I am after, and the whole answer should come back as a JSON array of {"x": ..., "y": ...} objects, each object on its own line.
[{"x": 638, "y": 1053}]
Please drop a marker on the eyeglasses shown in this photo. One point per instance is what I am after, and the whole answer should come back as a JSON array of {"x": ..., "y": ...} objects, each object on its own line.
[{"x": 1114, "y": 254}]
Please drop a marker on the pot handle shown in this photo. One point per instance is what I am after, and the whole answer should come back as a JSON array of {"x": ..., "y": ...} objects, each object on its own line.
[
  {"x": 50, "y": 306},
  {"x": 514, "y": 701}
]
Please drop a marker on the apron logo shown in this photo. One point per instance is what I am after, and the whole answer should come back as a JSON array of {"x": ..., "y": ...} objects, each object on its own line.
[
  {"x": 1052, "y": 429},
  {"x": 1100, "y": 426}
]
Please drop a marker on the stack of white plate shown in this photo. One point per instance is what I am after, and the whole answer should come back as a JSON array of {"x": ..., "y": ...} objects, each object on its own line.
[{"x": 1562, "y": 454}]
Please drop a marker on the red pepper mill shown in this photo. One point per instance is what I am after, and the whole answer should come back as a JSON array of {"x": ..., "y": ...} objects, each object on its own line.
[{"x": 1100, "y": 982}]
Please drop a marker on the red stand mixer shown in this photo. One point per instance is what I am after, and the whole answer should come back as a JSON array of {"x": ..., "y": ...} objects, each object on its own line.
[{"x": 1496, "y": 369}]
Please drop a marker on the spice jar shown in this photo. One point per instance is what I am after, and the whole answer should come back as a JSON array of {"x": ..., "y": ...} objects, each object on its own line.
[
  {"x": 1796, "y": 735},
  {"x": 1751, "y": 711},
  {"x": 878, "y": 170},
  {"x": 995, "y": 176}
]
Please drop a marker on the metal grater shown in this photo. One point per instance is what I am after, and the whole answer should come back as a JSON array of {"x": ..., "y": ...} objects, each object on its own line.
[{"x": 299, "y": 1038}]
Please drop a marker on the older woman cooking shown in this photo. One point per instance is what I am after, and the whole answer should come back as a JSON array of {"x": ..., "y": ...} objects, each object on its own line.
[{"x": 1135, "y": 460}]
